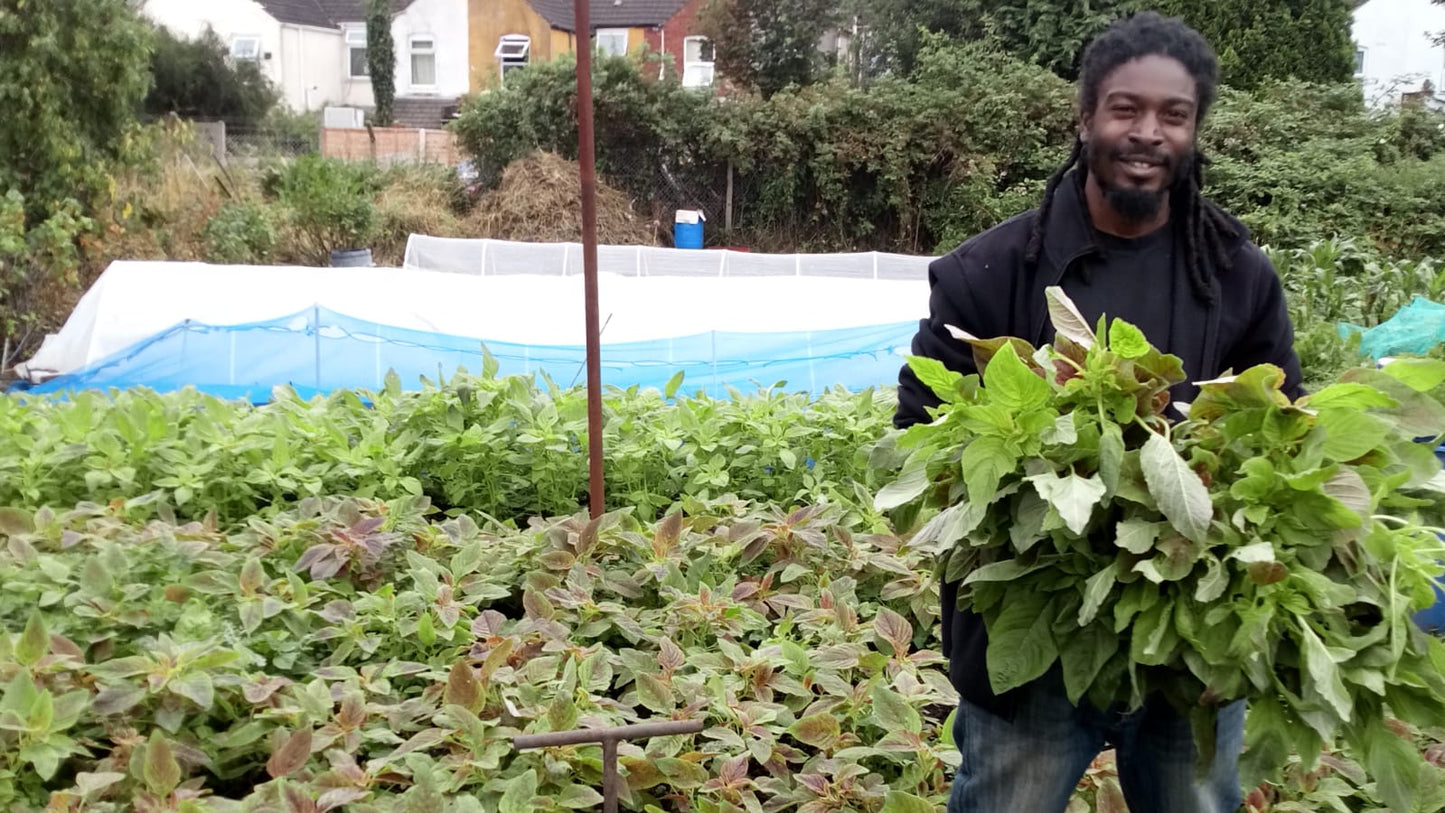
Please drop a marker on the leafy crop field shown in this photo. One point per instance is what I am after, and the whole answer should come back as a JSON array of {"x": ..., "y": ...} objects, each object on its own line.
[
  {"x": 501, "y": 447},
  {"x": 197, "y": 622},
  {"x": 355, "y": 602}
]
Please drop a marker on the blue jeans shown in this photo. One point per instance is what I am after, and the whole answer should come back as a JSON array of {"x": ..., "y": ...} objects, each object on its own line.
[{"x": 1032, "y": 763}]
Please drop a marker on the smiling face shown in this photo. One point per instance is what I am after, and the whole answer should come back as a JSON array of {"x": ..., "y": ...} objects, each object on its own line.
[{"x": 1140, "y": 136}]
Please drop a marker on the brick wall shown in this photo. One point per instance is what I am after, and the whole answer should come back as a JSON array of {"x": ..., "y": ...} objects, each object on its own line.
[
  {"x": 393, "y": 145},
  {"x": 682, "y": 25}
]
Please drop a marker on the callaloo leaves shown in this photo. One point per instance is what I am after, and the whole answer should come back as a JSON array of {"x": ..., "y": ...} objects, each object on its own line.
[{"x": 1257, "y": 549}]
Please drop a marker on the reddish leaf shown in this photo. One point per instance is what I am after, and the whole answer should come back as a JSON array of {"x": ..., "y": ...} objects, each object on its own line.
[
  {"x": 291, "y": 755},
  {"x": 669, "y": 657},
  {"x": 463, "y": 688},
  {"x": 894, "y": 629},
  {"x": 667, "y": 534}
]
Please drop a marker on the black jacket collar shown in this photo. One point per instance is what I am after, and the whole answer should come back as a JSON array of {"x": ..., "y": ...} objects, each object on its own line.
[{"x": 1069, "y": 237}]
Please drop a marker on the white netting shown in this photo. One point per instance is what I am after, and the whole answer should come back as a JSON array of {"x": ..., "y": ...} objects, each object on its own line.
[{"x": 500, "y": 257}]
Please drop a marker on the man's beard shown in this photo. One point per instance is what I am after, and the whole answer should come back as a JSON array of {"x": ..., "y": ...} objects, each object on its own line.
[{"x": 1131, "y": 203}]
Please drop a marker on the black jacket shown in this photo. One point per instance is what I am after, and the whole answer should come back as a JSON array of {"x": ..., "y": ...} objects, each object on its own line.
[{"x": 985, "y": 288}]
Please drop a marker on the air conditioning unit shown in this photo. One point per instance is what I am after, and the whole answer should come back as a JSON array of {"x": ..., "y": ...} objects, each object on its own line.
[{"x": 344, "y": 118}]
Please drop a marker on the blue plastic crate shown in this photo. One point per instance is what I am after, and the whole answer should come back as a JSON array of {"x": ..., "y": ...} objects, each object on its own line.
[{"x": 1432, "y": 619}]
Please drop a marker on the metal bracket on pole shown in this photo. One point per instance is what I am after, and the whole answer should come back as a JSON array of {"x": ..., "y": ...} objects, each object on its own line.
[{"x": 608, "y": 737}]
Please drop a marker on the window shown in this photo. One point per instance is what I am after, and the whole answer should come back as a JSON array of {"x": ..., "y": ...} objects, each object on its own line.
[
  {"x": 245, "y": 48},
  {"x": 512, "y": 52},
  {"x": 612, "y": 41},
  {"x": 1359, "y": 61},
  {"x": 356, "y": 53},
  {"x": 697, "y": 59},
  {"x": 423, "y": 62}
]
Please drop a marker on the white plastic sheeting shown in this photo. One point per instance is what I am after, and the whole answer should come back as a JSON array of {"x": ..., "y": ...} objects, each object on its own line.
[
  {"x": 529, "y": 304},
  {"x": 501, "y": 257}
]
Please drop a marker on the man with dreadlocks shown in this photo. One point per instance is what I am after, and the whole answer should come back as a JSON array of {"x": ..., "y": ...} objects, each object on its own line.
[{"x": 1124, "y": 229}]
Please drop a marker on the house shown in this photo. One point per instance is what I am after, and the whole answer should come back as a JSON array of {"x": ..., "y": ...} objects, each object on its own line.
[
  {"x": 509, "y": 34},
  {"x": 1395, "y": 51},
  {"x": 315, "y": 50}
]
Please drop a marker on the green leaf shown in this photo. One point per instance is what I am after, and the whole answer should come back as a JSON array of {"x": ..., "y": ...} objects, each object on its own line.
[
  {"x": 580, "y": 797},
  {"x": 818, "y": 730},
  {"x": 1074, "y": 497},
  {"x": 893, "y": 712},
  {"x": 945, "y": 383},
  {"x": 1349, "y": 396},
  {"x": 1136, "y": 535},
  {"x": 1324, "y": 675},
  {"x": 1350, "y": 435},
  {"x": 34, "y": 642},
  {"x": 1020, "y": 644},
  {"x": 1213, "y": 583},
  {"x": 1083, "y": 654},
  {"x": 1111, "y": 455},
  {"x": 1067, "y": 320},
  {"x": 1063, "y": 432},
  {"x": 1254, "y": 552},
  {"x": 1096, "y": 590},
  {"x": 161, "y": 772},
  {"x": 1394, "y": 765},
  {"x": 681, "y": 774},
  {"x": 911, "y": 483},
  {"x": 654, "y": 694},
  {"x": 1181, "y": 495},
  {"x": 1127, "y": 341},
  {"x": 896, "y": 801},
  {"x": 1012, "y": 385},
  {"x": 673, "y": 384},
  {"x": 517, "y": 798},
  {"x": 196, "y": 687},
  {"x": 15, "y": 522},
  {"x": 984, "y": 462},
  {"x": 1420, "y": 375}
]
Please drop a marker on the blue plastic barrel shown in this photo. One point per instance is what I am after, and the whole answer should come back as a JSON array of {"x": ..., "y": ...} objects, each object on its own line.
[
  {"x": 687, "y": 230},
  {"x": 1432, "y": 619}
]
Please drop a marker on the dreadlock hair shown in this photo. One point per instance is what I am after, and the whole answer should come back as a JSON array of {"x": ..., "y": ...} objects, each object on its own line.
[{"x": 1205, "y": 226}]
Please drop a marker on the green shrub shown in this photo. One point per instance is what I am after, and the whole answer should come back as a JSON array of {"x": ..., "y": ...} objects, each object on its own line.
[
  {"x": 241, "y": 234},
  {"x": 329, "y": 203}
]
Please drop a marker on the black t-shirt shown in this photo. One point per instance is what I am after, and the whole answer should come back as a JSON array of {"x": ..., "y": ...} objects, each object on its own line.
[{"x": 1133, "y": 280}]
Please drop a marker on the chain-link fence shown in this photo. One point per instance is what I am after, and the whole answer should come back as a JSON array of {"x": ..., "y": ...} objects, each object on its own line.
[{"x": 254, "y": 144}]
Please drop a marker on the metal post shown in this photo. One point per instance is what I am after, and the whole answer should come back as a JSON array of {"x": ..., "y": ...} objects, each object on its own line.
[
  {"x": 608, "y": 737},
  {"x": 587, "y": 160},
  {"x": 609, "y": 776},
  {"x": 728, "y": 208}
]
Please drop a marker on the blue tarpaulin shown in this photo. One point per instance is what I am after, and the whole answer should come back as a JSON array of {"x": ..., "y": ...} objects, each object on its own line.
[{"x": 319, "y": 350}]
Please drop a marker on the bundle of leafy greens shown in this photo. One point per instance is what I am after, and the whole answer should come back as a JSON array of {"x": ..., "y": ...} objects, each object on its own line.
[{"x": 1239, "y": 547}]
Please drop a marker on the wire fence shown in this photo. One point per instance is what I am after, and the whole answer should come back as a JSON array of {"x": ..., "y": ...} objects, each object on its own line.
[{"x": 245, "y": 144}]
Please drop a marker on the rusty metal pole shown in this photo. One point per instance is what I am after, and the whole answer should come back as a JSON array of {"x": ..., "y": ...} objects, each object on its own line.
[
  {"x": 608, "y": 737},
  {"x": 587, "y": 159}
]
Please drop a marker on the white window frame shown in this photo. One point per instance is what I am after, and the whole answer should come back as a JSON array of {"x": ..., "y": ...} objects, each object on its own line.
[
  {"x": 254, "y": 40},
  {"x": 513, "y": 51},
  {"x": 612, "y": 35},
  {"x": 696, "y": 73},
  {"x": 430, "y": 51},
  {"x": 349, "y": 38},
  {"x": 1360, "y": 55}
]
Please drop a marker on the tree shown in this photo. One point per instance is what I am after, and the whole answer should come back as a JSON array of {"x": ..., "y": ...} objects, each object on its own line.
[
  {"x": 1255, "y": 39},
  {"x": 72, "y": 76},
  {"x": 768, "y": 45},
  {"x": 1259, "y": 40},
  {"x": 1051, "y": 33},
  {"x": 381, "y": 60},
  {"x": 198, "y": 79}
]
